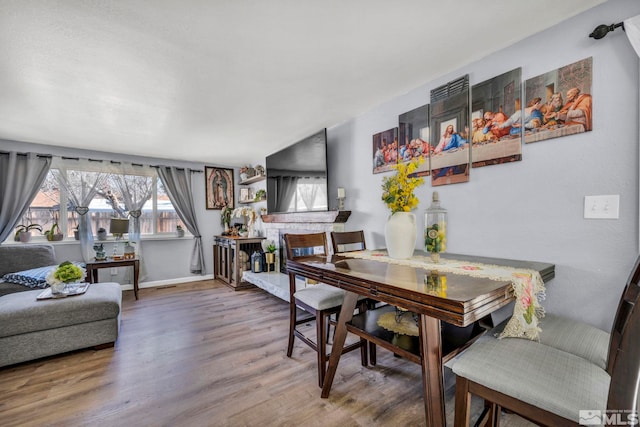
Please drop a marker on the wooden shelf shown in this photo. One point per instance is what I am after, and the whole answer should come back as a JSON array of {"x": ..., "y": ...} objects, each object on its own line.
[
  {"x": 253, "y": 179},
  {"x": 247, "y": 202},
  {"x": 314, "y": 216},
  {"x": 454, "y": 338}
]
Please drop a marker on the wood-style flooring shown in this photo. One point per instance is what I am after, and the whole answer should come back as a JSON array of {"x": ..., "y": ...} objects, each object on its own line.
[{"x": 200, "y": 354}]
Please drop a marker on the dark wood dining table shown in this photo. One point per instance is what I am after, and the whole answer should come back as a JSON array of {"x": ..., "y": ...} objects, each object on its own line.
[{"x": 465, "y": 301}]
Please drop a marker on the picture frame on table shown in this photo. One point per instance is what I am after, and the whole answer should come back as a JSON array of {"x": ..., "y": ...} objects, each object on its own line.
[{"x": 218, "y": 187}]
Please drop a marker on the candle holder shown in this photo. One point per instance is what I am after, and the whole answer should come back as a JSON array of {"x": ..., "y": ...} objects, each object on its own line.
[{"x": 341, "y": 197}]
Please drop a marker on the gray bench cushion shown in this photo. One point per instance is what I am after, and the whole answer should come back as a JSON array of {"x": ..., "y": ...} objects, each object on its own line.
[
  {"x": 576, "y": 338},
  {"x": 20, "y": 313},
  {"x": 543, "y": 376},
  {"x": 571, "y": 336}
]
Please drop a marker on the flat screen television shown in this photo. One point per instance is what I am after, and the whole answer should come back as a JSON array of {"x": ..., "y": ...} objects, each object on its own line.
[{"x": 297, "y": 176}]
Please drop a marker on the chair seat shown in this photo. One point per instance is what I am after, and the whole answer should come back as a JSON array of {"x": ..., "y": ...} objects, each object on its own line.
[
  {"x": 574, "y": 337},
  {"x": 320, "y": 296},
  {"x": 542, "y": 376}
]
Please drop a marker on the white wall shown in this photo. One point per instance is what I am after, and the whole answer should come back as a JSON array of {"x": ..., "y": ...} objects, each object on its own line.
[{"x": 531, "y": 209}]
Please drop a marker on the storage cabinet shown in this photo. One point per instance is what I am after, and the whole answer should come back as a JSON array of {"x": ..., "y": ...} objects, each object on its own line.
[{"x": 231, "y": 257}]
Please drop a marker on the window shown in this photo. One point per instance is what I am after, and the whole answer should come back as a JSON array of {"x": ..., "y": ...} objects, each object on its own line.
[{"x": 51, "y": 204}]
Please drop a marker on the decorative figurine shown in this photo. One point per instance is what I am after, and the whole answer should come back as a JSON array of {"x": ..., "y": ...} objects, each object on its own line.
[{"x": 100, "y": 253}]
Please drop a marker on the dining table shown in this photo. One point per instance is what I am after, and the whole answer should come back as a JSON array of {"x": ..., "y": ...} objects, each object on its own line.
[{"x": 457, "y": 299}]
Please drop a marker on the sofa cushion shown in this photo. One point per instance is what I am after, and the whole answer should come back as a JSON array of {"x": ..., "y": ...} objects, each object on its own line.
[
  {"x": 21, "y": 313},
  {"x": 23, "y": 257},
  {"x": 33, "y": 278}
]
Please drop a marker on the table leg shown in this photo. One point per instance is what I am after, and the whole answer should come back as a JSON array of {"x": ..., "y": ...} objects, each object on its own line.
[
  {"x": 94, "y": 274},
  {"x": 346, "y": 313},
  {"x": 136, "y": 275},
  {"x": 432, "y": 377}
]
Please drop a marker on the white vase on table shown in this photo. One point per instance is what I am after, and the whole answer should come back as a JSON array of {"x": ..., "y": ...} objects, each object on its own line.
[{"x": 400, "y": 235}]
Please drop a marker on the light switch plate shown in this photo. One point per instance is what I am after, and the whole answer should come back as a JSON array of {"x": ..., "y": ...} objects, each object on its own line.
[{"x": 602, "y": 207}]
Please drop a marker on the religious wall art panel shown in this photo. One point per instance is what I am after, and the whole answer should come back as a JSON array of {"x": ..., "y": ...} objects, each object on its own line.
[
  {"x": 495, "y": 110},
  {"x": 558, "y": 102},
  {"x": 385, "y": 150},
  {"x": 413, "y": 138},
  {"x": 449, "y": 125}
]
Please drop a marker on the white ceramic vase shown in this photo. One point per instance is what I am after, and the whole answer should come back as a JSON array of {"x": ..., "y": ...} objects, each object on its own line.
[{"x": 400, "y": 235}]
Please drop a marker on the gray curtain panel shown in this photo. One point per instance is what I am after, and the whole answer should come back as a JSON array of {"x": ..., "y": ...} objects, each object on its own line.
[
  {"x": 21, "y": 176},
  {"x": 177, "y": 183}
]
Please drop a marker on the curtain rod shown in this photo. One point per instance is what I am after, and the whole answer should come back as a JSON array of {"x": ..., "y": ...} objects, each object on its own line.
[
  {"x": 43, "y": 156},
  {"x": 115, "y": 162}
]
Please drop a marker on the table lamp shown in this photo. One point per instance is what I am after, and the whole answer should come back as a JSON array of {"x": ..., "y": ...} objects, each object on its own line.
[{"x": 118, "y": 227}]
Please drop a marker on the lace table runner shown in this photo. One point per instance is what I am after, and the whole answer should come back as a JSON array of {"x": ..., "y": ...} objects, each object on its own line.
[{"x": 527, "y": 284}]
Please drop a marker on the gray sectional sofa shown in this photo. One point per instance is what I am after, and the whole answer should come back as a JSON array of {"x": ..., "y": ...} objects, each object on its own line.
[{"x": 31, "y": 328}]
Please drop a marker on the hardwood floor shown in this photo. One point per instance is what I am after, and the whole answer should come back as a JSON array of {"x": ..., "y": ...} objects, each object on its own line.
[{"x": 200, "y": 354}]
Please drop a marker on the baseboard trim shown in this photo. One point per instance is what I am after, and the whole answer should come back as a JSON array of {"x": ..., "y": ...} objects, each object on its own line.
[{"x": 167, "y": 282}]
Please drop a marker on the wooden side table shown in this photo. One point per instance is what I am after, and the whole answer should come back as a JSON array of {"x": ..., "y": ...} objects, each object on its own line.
[{"x": 94, "y": 266}]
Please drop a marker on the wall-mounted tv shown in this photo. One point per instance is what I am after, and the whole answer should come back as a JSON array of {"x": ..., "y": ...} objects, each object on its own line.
[{"x": 297, "y": 176}]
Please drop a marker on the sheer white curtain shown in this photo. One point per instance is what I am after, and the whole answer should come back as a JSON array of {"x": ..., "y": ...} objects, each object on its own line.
[
  {"x": 308, "y": 191},
  {"x": 135, "y": 187},
  {"x": 632, "y": 29},
  {"x": 81, "y": 187}
]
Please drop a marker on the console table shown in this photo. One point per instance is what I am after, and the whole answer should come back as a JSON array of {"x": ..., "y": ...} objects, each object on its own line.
[
  {"x": 94, "y": 266},
  {"x": 230, "y": 254}
]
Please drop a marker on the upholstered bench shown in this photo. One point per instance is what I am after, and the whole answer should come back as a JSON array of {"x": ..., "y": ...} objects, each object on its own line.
[{"x": 30, "y": 328}]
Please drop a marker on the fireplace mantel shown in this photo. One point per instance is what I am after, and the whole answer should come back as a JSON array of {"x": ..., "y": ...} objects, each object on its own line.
[{"x": 307, "y": 217}]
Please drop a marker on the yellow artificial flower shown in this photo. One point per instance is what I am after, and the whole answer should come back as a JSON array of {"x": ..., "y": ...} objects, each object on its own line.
[{"x": 397, "y": 190}]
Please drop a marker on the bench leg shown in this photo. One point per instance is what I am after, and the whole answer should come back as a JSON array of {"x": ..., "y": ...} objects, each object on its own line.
[{"x": 103, "y": 346}]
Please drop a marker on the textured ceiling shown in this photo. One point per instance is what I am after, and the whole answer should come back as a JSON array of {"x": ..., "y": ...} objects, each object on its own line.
[{"x": 224, "y": 82}]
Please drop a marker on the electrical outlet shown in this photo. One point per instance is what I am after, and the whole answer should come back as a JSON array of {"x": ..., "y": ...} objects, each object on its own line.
[
  {"x": 114, "y": 271},
  {"x": 602, "y": 207}
]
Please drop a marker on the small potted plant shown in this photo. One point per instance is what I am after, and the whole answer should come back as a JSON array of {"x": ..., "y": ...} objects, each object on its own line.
[
  {"x": 23, "y": 232},
  {"x": 180, "y": 230},
  {"x": 270, "y": 255},
  {"x": 260, "y": 195},
  {"x": 102, "y": 234},
  {"x": 225, "y": 218},
  {"x": 52, "y": 235},
  {"x": 64, "y": 274}
]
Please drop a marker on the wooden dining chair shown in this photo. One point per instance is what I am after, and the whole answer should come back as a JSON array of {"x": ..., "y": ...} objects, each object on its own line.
[
  {"x": 317, "y": 301},
  {"x": 347, "y": 241},
  {"x": 551, "y": 385}
]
